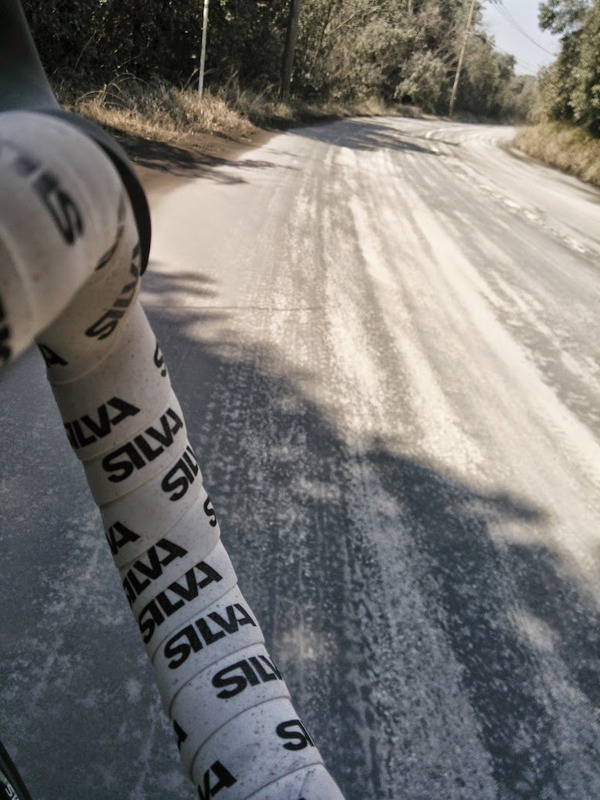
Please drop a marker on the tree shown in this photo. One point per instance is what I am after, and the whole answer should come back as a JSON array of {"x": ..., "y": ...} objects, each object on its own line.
[
  {"x": 585, "y": 98},
  {"x": 397, "y": 50},
  {"x": 96, "y": 41},
  {"x": 247, "y": 41},
  {"x": 562, "y": 17},
  {"x": 425, "y": 81},
  {"x": 570, "y": 87},
  {"x": 487, "y": 77},
  {"x": 290, "y": 48}
]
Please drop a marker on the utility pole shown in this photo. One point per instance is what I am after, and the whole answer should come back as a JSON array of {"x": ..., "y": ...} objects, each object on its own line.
[
  {"x": 461, "y": 58},
  {"x": 203, "y": 51},
  {"x": 290, "y": 47}
]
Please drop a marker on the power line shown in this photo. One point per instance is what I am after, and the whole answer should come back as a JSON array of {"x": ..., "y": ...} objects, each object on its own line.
[
  {"x": 523, "y": 62},
  {"x": 533, "y": 68},
  {"x": 511, "y": 21}
]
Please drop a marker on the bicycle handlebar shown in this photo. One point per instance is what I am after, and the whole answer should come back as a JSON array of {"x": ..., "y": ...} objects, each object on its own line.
[
  {"x": 69, "y": 277},
  {"x": 70, "y": 264}
]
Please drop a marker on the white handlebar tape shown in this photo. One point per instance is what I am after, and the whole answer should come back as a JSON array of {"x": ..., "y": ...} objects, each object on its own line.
[{"x": 69, "y": 278}]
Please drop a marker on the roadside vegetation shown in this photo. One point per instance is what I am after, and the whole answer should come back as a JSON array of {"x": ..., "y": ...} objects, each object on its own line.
[
  {"x": 163, "y": 112},
  {"x": 274, "y": 63},
  {"x": 567, "y": 147},
  {"x": 566, "y": 133},
  {"x": 158, "y": 110}
]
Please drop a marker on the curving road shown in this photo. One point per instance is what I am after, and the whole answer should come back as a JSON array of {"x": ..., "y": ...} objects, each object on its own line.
[{"x": 385, "y": 337}]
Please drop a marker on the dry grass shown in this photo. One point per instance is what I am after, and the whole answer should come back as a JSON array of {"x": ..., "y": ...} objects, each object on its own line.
[
  {"x": 264, "y": 109},
  {"x": 157, "y": 110},
  {"x": 165, "y": 113},
  {"x": 564, "y": 146}
]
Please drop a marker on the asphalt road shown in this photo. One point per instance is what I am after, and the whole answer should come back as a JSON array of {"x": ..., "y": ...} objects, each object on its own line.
[{"x": 384, "y": 334}]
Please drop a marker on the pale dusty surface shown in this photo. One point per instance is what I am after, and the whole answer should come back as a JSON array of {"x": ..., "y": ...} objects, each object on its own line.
[{"x": 384, "y": 334}]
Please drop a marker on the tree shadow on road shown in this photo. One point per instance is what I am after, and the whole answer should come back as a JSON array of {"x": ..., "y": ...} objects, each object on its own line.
[
  {"x": 430, "y": 655},
  {"x": 366, "y": 134},
  {"x": 199, "y": 157}
]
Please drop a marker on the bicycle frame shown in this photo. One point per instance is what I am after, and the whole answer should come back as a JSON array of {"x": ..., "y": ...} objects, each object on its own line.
[{"x": 11, "y": 783}]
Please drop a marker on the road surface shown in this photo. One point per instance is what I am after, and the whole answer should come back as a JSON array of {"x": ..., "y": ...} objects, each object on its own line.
[{"x": 385, "y": 337}]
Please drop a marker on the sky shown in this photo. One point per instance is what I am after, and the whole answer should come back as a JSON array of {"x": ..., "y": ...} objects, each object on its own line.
[{"x": 514, "y": 26}]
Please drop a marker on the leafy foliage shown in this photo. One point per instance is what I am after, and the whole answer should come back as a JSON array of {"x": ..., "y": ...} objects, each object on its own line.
[
  {"x": 425, "y": 81},
  {"x": 570, "y": 87},
  {"x": 396, "y": 50},
  {"x": 96, "y": 40},
  {"x": 562, "y": 17},
  {"x": 403, "y": 50}
]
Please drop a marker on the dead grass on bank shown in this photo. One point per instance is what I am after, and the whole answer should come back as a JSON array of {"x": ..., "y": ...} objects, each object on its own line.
[
  {"x": 161, "y": 112},
  {"x": 569, "y": 148}
]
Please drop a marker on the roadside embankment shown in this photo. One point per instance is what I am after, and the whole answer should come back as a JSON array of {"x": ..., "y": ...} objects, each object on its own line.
[
  {"x": 160, "y": 112},
  {"x": 566, "y": 147},
  {"x": 176, "y": 131}
]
